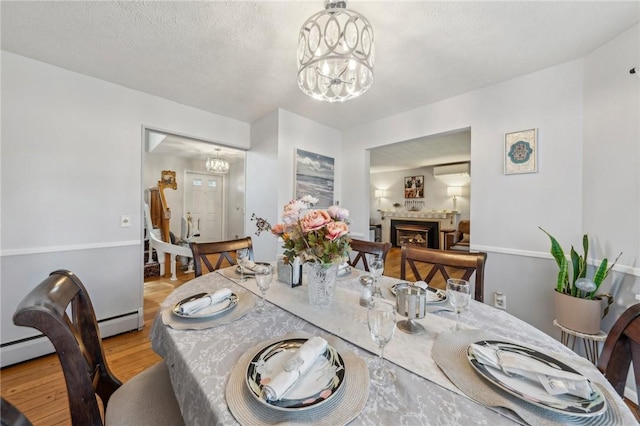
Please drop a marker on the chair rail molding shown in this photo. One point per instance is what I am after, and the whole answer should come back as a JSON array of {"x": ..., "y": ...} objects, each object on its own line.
[
  {"x": 70, "y": 247},
  {"x": 625, "y": 269}
]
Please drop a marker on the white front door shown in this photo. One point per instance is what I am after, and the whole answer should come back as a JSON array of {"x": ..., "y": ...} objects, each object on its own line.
[{"x": 203, "y": 201}]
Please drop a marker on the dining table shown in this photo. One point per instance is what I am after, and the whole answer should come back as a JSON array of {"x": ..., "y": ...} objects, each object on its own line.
[{"x": 433, "y": 381}]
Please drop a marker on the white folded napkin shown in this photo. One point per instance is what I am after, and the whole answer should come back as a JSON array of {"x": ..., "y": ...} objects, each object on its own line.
[
  {"x": 344, "y": 269},
  {"x": 554, "y": 381},
  {"x": 194, "y": 306},
  {"x": 294, "y": 368},
  {"x": 252, "y": 266},
  {"x": 421, "y": 284}
]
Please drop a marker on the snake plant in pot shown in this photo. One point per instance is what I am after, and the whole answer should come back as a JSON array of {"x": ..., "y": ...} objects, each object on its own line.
[{"x": 577, "y": 301}]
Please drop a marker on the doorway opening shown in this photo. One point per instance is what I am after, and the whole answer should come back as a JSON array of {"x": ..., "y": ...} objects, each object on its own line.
[
  {"x": 196, "y": 204},
  {"x": 429, "y": 161}
]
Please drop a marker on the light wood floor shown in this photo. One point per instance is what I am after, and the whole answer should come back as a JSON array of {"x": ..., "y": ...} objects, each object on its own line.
[{"x": 38, "y": 389}]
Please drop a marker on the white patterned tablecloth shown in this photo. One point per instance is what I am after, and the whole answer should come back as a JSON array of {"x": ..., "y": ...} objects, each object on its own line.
[{"x": 200, "y": 361}]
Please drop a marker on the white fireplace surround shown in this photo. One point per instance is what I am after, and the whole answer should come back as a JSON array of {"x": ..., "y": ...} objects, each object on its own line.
[{"x": 447, "y": 219}]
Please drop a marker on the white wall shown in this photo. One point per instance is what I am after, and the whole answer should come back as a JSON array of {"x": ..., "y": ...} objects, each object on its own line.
[
  {"x": 586, "y": 113},
  {"x": 274, "y": 139},
  {"x": 265, "y": 175},
  {"x": 235, "y": 182},
  {"x": 505, "y": 209},
  {"x": 611, "y": 187},
  {"x": 435, "y": 192},
  {"x": 296, "y": 131},
  {"x": 71, "y": 165},
  {"x": 154, "y": 164}
]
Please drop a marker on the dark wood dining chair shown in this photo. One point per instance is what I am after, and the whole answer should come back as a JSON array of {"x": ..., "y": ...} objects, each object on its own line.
[
  {"x": 435, "y": 267},
  {"x": 219, "y": 251},
  {"x": 363, "y": 248},
  {"x": 621, "y": 349},
  {"x": 146, "y": 399},
  {"x": 11, "y": 416}
]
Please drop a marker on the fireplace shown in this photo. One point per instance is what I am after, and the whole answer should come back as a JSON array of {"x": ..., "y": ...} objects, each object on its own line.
[{"x": 415, "y": 232}]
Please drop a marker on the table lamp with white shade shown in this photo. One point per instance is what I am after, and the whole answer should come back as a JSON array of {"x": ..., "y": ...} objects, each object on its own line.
[{"x": 454, "y": 191}]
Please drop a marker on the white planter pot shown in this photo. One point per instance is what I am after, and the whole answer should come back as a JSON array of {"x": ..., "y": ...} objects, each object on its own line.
[{"x": 581, "y": 315}]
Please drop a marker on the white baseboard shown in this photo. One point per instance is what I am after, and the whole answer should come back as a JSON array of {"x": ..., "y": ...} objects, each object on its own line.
[{"x": 13, "y": 353}]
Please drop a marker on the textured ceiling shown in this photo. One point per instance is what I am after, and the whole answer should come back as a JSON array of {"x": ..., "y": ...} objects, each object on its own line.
[
  {"x": 453, "y": 147},
  {"x": 179, "y": 146},
  {"x": 237, "y": 58}
]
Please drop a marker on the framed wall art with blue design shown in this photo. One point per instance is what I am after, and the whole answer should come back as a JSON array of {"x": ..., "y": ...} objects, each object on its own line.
[{"x": 521, "y": 152}]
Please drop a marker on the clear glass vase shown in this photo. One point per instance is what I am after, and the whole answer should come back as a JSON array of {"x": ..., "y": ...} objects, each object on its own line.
[{"x": 321, "y": 282}]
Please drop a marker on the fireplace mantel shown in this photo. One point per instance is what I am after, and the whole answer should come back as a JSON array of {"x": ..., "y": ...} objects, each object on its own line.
[{"x": 447, "y": 219}]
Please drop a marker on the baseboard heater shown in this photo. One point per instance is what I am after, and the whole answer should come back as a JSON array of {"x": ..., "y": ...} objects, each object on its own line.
[{"x": 36, "y": 346}]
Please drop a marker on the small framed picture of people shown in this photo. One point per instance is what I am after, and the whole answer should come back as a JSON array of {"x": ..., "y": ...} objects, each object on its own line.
[{"x": 414, "y": 187}]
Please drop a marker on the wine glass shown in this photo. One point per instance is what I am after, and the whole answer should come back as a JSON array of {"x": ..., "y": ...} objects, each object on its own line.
[
  {"x": 376, "y": 267},
  {"x": 242, "y": 255},
  {"x": 459, "y": 294},
  {"x": 264, "y": 276},
  {"x": 381, "y": 318}
]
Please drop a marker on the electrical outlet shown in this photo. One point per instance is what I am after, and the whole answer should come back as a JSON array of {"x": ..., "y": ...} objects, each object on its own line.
[
  {"x": 125, "y": 221},
  {"x": 500, "y": 300}
]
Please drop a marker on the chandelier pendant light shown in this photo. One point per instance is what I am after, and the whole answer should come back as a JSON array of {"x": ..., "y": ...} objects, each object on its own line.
[
  {"x": 335, "y": 54},
  {"x": 217, "y": 164}
]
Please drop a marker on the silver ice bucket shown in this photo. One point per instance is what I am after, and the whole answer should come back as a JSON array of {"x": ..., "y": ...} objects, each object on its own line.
[{"x": 411, "y": 302}]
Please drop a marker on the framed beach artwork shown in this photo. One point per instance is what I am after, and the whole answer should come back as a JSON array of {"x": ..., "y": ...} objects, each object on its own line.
[
  {"x": 314, "y": 175},
  {"x": 414, "y": 187},
  {"x": 521, "y": 152}
]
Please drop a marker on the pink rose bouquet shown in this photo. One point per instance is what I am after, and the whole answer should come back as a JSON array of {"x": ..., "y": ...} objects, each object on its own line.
[{"x": 315, "y": 235}]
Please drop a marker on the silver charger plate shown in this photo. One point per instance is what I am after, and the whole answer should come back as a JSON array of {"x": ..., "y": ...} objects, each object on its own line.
[
  {"x": 210, "y": 311},
  {"x": 309, "y": 391},
  {"x": 434, "y": 295},
  {"x": 527, "y": 391}
]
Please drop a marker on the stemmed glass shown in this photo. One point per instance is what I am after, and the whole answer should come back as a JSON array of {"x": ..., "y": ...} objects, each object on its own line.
[
  {"x": 376, "y": 267},
  {"x": 381, "y": 318},
  {"x": 264, "y": 276},
  {"x": 242, "y": 255},
  {"x": 459, "y": 294}
]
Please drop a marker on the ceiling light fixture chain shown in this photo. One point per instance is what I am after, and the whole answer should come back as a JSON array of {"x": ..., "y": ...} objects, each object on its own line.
[
  {"x": 335, "y": 54},
  {"x": 217, "y": 164}
]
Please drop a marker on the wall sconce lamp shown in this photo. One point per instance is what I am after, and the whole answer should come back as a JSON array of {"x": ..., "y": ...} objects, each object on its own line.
[{"x": 454, "y": 191}]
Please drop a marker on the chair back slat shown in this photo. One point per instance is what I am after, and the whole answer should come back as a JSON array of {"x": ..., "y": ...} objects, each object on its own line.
[
  {"x": 363, "y": 248},
  {"x": 223, "y": 249},
  {"x": 429, "y": 264},
  {"x": 621, "y": 349},
  {"x": 76, "y": 340}
]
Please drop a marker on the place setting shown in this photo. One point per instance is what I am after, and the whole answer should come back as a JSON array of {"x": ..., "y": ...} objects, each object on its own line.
[
  {"x": 209, "y": 309},
  {"x": 245, "y": 269},
  {"x": 538, "y": 387},
  {"x": 346, "y": 272},
  {"x": 299, "y": 379}
]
